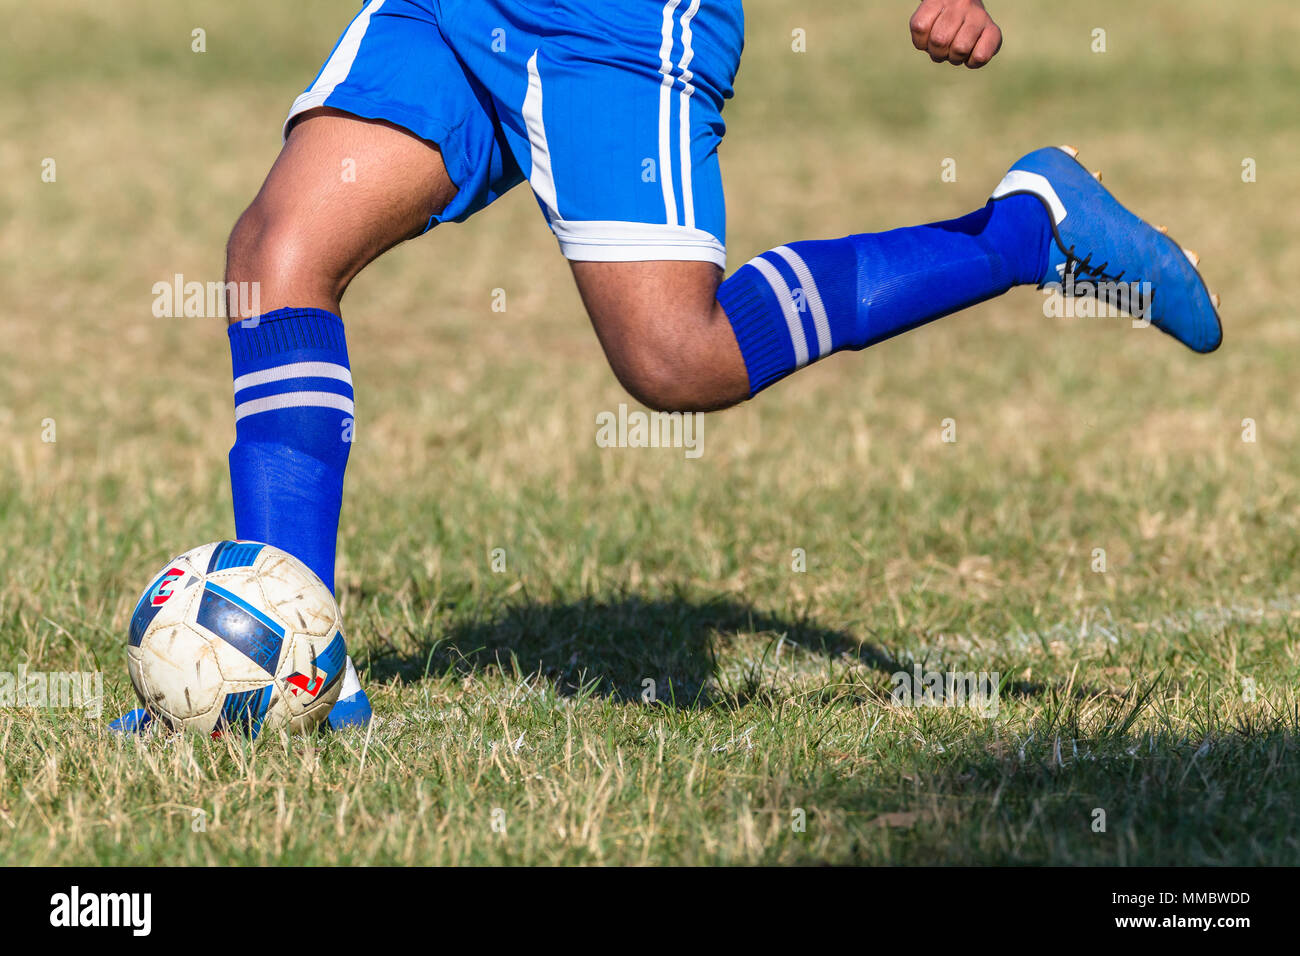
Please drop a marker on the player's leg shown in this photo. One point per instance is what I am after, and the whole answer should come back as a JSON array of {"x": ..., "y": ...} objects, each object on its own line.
[
  {"x": 305, "y": 236},
  {"x": 343, "y": 190},
  {"x": 634, "y": 196},
  {"x": 308, "y": 233},
  {"x": 666, "y": 334},
  {"x": 679, "y": 339}
]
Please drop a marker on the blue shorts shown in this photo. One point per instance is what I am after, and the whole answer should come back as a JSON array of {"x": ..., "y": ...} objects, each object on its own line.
[{"x": 611, "y": 109}]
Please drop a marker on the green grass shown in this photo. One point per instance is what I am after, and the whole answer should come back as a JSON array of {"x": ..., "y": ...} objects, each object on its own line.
[{"x": 521, "y": 691}]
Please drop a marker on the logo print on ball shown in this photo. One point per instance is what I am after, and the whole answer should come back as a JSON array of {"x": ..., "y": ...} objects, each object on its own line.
[
  {"x": 302, "y": 684},
  {"x": 150, "y": 602},
  {"x": 163, "y": 589},
  {"x": 329, "y": 662}
]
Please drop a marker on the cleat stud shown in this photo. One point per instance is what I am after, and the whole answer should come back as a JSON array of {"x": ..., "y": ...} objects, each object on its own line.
[
  {"x": 1214, "y": 300},
  {"x": 1096, "y": 174},
  {"x": 1192, "y": 257},
  {"x": 1163, "y": 230},
  {"x": 1071, "y": 150}
]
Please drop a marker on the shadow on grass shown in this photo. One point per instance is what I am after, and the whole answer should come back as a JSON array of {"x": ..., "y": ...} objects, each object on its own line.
[
  {"x": 1213, "y": 794},
  {"x": 610, "y": 648}
]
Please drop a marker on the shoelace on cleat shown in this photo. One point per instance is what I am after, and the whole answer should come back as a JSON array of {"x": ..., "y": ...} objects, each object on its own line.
[{"x": 1074, "y": 266}]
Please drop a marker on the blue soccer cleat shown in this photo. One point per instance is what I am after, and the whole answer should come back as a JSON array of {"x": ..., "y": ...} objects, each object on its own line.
[
  {"x": 352, "y": 709},
  {"x": 132, "y": 722},
  {"x": 1101, "y": 248}
]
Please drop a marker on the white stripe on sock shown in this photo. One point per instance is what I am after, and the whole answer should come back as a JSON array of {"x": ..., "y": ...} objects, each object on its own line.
[
  {"x": 294, "y": 400},
  {"x": 665, "y": 113},
  {"x": 294, "y": 370},
  {"x": 810, "y": 295},
  {"x": 784, "y": 296}
]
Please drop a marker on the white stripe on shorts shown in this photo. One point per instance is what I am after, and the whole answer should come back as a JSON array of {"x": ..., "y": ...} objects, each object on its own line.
[
  {"x": 684, "y": 131},
  {"x": 339, "y": 65},
  {"x": 541, "y": 177},
  {"x": 665, "y": 113}
]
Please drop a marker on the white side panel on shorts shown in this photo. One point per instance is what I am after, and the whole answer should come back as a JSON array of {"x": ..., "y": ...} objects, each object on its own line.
[
  {"x": 541, "y": 177},
  {"x": 338, "y": 66}
]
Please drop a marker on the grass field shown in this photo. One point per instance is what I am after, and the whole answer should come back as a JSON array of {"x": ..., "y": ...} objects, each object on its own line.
[{"x": 511, "y": 726}]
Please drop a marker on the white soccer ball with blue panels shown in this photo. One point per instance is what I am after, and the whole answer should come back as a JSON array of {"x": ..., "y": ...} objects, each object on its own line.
[{"x": 237, "y": 636}]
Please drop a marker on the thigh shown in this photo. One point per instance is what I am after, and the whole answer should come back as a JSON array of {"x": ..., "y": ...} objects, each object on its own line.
[
  {"x": 391, "y": 137},
  {"x": 343, "y": 190},
  {"x": 393, "y": 64}
]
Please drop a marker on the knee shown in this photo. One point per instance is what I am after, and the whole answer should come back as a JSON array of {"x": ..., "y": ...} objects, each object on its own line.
[
  {"x": 667, "y": 339},
  {"x": 671, "y": 372},
  {"x": 262, "y": 247},
  {"x": 285, "y": 262},
  {"x": 657, "y": 383}
]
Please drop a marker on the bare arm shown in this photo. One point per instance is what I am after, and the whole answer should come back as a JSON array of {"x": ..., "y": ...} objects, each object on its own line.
[{"x": 956, "y": 31}]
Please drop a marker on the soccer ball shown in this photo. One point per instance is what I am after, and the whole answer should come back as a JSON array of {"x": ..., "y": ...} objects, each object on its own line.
[{"x": 237, "y": 635}]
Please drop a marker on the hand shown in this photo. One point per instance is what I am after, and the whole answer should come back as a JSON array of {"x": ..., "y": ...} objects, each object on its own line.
[{"x": 956, "y": 31}]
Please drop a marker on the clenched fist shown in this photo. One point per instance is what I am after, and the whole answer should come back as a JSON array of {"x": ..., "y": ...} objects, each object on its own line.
[{"x": 956, "y": 31}]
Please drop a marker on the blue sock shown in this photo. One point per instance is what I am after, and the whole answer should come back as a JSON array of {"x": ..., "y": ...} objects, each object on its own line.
[
  {"x": 800, "y": 302},
  {"x": 293, "y": 430}
]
